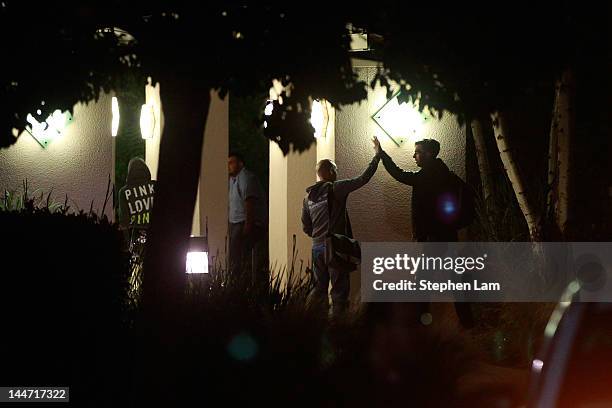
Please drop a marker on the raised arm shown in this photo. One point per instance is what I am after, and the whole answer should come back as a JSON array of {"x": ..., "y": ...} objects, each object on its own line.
[
  {"x": 344, "y": 187},
  {"x": 400, "y": 175},
  {"x": 405, "y": 177}
]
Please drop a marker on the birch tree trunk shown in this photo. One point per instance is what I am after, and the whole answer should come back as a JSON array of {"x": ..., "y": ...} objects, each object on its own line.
[
  {"x": 552, "y": 175},
  {"x": 501, "y": 133},
  {"x": 564, "y": 138},
  {"x": 483, "y": 161}
]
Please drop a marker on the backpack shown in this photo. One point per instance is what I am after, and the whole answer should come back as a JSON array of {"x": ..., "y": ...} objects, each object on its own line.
[
  {"x": 342, "y": 252},
  {"x": 456, "y": 204}
]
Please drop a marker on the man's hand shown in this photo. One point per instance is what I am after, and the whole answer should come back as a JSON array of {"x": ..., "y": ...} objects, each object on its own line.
[{"x": 377, "y": 148}]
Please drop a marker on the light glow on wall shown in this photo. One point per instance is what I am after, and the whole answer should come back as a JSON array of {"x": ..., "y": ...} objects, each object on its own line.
[
  {"x": 319, "y": 118},
  {"x": 147, "y": 121},
  {"x": 49, "y": 130},
  {"x": 115, "y": 121},
  {"x": 400, "y": 121}
]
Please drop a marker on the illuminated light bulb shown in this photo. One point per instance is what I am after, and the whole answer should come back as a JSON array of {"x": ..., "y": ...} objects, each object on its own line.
[
  {"x": 197, "y": 262},
  {"x": 50, "y": 129},
  {"x": 400, "y": 121}
]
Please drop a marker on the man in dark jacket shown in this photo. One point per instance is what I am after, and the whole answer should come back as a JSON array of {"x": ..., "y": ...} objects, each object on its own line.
[
  {"x": 317, "y": 221},
  {"x": 427, "y": 190},
  {"x": 429, "y": 211}
]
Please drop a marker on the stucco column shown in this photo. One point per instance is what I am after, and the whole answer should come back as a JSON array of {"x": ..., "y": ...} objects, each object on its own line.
[
  {"x": 152, "y": 145},
  {"x": 289, "y": 177},
  {"x": 212, "y": 202},
  {"x": 277, "y": 208}
]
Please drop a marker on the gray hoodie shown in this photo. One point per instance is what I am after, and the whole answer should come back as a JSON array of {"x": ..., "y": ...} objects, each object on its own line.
[{"x": 315, "y": 209}]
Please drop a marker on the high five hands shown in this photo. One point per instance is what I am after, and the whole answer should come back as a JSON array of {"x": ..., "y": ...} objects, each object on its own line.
[{"x": 377, "y": 148}]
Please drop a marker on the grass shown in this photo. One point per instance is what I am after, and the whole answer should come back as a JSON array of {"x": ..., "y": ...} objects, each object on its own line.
[{"x": 232, "y": 340}]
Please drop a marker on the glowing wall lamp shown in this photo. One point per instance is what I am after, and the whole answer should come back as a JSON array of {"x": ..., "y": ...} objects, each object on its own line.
[
  {"x": 147, "y": 121},
  {"x": 319, "y": 117},
  {"x": 399, "y": 121},
  {"x": 115, "y": 121},
  {"x": 50, "y": 129},
  {"x": 197, "y": 255}
]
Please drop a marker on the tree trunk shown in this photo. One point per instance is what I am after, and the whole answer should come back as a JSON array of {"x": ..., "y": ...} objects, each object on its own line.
[
  {"x": 564, "y": 137},
  {"x": 483, "y": 161},
  {"x": 552, "y": 179},
  {"x": 185, "y": 112},
  {"x": 501, "y": 134}
]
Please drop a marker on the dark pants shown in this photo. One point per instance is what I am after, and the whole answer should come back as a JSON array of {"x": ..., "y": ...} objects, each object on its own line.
[
  {"x": 463, "y": 309},
  {"x": 323, "y": 274},
  {"x": 248, "y": 254}
]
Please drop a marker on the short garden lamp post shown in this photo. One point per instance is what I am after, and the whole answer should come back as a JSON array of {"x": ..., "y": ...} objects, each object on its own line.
[{"x": 197, "y": 255}]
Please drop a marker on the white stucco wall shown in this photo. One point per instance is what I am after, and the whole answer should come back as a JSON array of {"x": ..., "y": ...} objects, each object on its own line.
[
  {"x": 289, "y": 177},
  {"x": 300, "y": 175},
  {"x": 326, "y": 145},
  {"x": 78, "y": 164},
  {"x": 277, "y": 208},
  {"x": 152, "y": 97},
  {"x": 380, "y": 211}
]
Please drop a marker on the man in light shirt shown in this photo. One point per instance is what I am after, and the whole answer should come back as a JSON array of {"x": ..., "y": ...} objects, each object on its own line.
[{"x": 248, "y": 224}]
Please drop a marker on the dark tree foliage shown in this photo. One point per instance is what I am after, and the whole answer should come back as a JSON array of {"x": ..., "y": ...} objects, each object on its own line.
[
  {"x": 53, "y": 57},
  {"x": 459, "y": 58},
  {"x": 472, "y": 59},
  {"x": 86, "y": 47}
]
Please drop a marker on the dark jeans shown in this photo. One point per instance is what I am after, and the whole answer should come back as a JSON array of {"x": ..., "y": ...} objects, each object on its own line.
[
  {"x": 463, "y": 309},
  {"x": 248, "y": 254},
  {"x": 340, "y": 283}
]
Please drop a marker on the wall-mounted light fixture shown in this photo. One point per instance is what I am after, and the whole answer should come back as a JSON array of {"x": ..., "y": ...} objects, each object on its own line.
[
  {"x": 319, "y": 117},
  {"x": 51, "y": 129},
  {"x": 197, "y": 255},
  {"x": 147, "y": 121},
  {"x": 400, "y": 121},
  {"x": 115, "y": 121}
]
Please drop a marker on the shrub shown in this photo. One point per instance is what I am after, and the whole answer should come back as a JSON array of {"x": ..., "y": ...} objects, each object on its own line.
[{"x": 63, "y": 296}]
